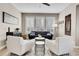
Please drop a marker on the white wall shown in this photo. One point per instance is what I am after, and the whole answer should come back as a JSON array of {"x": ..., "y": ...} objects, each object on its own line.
[
  {"x": 69, "y": 10},
  {"x": 6, "y": 7}
]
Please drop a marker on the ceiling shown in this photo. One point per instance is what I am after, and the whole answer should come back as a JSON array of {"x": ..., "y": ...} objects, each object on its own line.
[{"x": 40, "y": 8}]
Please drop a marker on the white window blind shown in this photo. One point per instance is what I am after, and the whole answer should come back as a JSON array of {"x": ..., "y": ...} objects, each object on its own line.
[
  {"x": 49, "y": 22},
  {"x": 29, "y": 23},
  {"x": 40, "y": 23}
]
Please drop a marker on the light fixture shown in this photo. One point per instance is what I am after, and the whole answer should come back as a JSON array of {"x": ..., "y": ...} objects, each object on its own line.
[{"x": 54, "y": 25}]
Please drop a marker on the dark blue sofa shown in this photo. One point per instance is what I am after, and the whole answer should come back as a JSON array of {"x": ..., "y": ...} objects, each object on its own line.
[{"x": 45, "y": 34}]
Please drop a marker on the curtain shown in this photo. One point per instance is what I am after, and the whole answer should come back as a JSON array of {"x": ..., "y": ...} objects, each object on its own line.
[
  {"x": 49, "y": 23},
  {"x": 40, "y": 23}
]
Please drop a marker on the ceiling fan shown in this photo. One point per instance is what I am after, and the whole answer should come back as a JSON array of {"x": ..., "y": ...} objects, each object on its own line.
[{"x": 47, "y": 4}]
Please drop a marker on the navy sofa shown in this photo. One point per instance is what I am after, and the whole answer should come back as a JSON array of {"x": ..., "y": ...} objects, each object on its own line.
[{"x": 45, "y": 34}]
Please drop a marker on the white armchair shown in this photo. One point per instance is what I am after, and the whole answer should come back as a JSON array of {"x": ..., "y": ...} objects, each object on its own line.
[
  {"x": 59, "y": 46},
  {"x": 19, "y": 46}
]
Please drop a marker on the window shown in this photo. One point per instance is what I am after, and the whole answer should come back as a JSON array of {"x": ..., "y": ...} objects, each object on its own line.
[{"x": 39, "y": 23}]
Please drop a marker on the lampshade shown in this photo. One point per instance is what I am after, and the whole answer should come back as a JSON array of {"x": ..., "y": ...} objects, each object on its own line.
[{"x": 54, "y": 25}]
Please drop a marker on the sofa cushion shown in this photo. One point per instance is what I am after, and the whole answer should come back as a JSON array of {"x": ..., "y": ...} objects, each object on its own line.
[
  {"x": 32, "y": 33},
  {"x": 48, "y": 33}
]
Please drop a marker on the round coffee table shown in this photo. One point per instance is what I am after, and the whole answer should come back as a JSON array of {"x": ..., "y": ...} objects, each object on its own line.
[{"x": 40, "y": 43}]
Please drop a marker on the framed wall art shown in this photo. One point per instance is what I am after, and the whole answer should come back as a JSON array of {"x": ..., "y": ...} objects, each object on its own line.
[
  {"x": 9, "y": 19},
  {"x": 68, "y": 25}
]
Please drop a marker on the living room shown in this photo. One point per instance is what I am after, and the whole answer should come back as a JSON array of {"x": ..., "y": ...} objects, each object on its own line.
[{"x": 46, "y": 29}]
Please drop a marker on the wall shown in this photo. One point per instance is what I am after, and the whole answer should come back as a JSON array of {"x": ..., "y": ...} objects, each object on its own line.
[
  {"x": 6, "y": 7},
  {"x": 69, "y": 10}
]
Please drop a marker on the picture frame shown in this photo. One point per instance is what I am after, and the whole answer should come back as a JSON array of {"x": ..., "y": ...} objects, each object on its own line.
[
  {"x": 68, "y": 25},
  {"x": 9, "y": 19}
]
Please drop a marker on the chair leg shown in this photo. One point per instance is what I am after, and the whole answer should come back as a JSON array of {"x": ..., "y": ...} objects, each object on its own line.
[
  {"x": 12, "y": 54},
  {"x": 25, "y": 53},
  {"x": 53, "y": 53},
  {"x": 67, "y": 54}
]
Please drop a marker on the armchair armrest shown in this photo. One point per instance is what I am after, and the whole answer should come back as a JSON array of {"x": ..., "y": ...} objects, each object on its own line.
[
  {"x": 51, "y": 42},
  {"x": 25, "y": 42}
]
